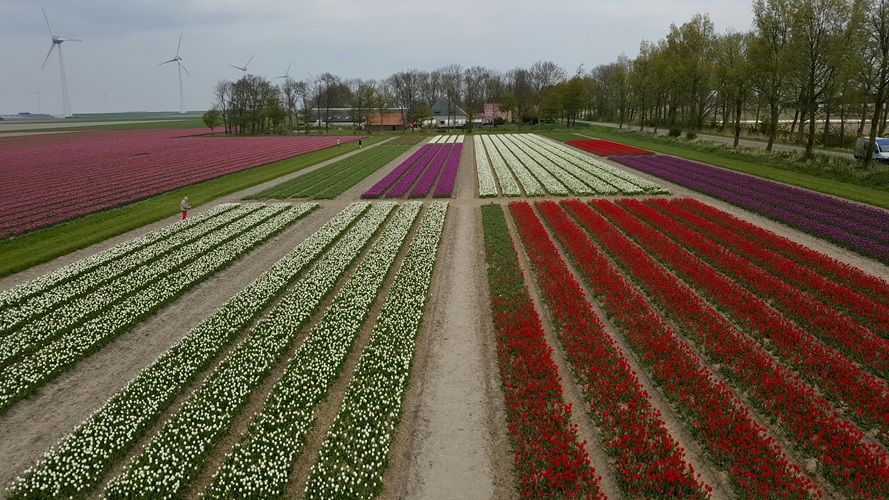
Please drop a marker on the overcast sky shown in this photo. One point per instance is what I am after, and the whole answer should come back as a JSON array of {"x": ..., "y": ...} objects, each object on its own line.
[{"x": 124, "y": 40}]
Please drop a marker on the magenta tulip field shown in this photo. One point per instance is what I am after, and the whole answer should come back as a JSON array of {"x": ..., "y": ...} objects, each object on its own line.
[{"x": 61, "y": 177}]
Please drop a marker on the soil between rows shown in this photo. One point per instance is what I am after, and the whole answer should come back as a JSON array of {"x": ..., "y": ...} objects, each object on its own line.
[{"x": 453, "y": 439}]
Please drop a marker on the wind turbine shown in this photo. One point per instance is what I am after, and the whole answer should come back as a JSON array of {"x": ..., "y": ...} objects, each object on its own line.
[
  {"x": 105, "y": 95},
  {"x": 178, "y": 61},
  {"x": 244, "y": 69},
  {"x": 38, "y": 98},
  {"x": 57, "y": 40},
  {"x": 287, "y": 73}
]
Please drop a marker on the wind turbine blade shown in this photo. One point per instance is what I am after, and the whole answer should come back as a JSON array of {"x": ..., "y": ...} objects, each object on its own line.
[
  {"x": 70, "y": 39},
  {"x": 180, "y": 45},
  {"x": 186, "y": 71},
  {"x": 248, "y": 60},
  {"x": 287, "y": 73},
  {"x": 47, "y": 21},
  {"x": 237, "y": 67},
  {"x": 51, "y": 46},
  {"x": 165, "y": 62}
]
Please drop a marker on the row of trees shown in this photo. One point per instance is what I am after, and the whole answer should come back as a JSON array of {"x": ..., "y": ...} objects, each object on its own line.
[
  {"x": 825, "y": 63},
  {"x": 255, "y": 105},
  {"x": 821, "y": 65}
]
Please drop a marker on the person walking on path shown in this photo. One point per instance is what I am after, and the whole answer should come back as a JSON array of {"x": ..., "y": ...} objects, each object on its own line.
[
  {"x": 337, "y": 141},
  {"x": 184, "y": 206},
  {"x": 359, "y": 143}
]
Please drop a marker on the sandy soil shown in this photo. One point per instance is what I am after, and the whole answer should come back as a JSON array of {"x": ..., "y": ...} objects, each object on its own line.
[{"x": 453, "y": 439}]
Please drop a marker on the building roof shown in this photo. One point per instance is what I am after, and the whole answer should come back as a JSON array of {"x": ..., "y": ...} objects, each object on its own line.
[
  {"x": 389, "y": 120},
  {"x": 441, "y": 109}
]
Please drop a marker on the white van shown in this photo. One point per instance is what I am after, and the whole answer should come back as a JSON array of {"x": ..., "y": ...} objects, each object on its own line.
[{"x": 881, "y": 151}]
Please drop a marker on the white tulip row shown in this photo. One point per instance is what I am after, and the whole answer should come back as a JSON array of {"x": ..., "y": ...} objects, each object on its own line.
[
  {"x": 39, "y": 304},
  {"x": 53, "y": 279},
  {"x": 25, "y": 376},
  {"x": 261, "y": 462},
  {"x": 577, "y": 180},
  {"x": 486, "y": 186},
  {"x": 70, "y": 315},
  {"x": 508, "y": 185},
  {"x": 529, "y": 182},
  {"x": 619, "y": 184},
  {"x": 80, "y": 460},
  {"x": 355, "y": 451},
  {"x": 548, "y": 179},
  {"x": 554, "y": 178},
  {"x": 615, "y": 175},
  {"x": 168, "y": 462}
]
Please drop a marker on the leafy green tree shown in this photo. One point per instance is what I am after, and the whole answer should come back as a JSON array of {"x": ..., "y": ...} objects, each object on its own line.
[
  {"x": 875, "y": 29},
  {"x": 212, "y": 118},
  {"x": 770, "y": 54},
  {"x": 508, "y": 103},
  {"x": 734, "y": 67}
]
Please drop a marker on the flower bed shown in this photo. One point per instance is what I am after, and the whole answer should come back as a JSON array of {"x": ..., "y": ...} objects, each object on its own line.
[
  {"x": 810, "y": 422},
  {"x": 262, "y": 461},
  {"x": 166, "y": 465},
  {"x": 754, "y": 463},
  {"x": 49, "y": 182},
  {"x": 79, "y": 461},
  {"x": 22, "y": 378},
  {"x": 549, "y": 461},
  {"x": 602, "y": 147},
  {"x": 355, "y": 452},
  {"x": 649, "y": 461},
  {"x": 861, "y": 228}
]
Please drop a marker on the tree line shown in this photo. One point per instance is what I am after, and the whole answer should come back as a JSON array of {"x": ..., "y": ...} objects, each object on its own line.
[{"x": 814, "y": 71}]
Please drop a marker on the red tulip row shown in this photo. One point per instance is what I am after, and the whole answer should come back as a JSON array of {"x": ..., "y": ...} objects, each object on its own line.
[
  {"x": 832, "y": 293},
  {"x": 831, "y": 326},
  {"x": 876, "y": 288},
  {"x": 549, "y": 461},
  {"x": 649, "y": 461},
  {"x": 755, "y": 464},
  {"x": 602, "y": 147},
  {"x": 808, "y": 420},
  {"x": 840, "y": 378}
]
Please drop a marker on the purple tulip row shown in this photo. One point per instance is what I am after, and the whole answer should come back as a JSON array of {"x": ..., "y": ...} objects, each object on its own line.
[
  {"x": 861, "y": 228},
  {"x": 407, "y": 180},
  {"x": 445, "y": 186},
  {"x": 428, "y": 164}
]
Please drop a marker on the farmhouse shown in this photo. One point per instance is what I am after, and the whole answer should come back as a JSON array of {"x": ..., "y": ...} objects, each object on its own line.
[
  {"x": 386, "y": 121},
  {"x": 447, "y": 114}
]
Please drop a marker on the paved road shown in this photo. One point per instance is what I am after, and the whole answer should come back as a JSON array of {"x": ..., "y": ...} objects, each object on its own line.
[{"x": 729, "y": 140}]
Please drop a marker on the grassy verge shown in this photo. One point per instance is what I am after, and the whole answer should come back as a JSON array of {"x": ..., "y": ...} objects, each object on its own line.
[
  {"x": 833, "y": 176},
  {"x": 33, "y": 248}
]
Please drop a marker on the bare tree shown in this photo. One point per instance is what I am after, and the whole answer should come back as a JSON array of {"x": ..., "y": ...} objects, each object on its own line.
[
  {"x": 452, "y": 83},
  {"x": 405, "y": 87},
  {"x": 543, "y": 76},
  {"x": 362, "y": 92},
  {"x": 474, "y": 80},
  {"x": 290, "y": 95}
]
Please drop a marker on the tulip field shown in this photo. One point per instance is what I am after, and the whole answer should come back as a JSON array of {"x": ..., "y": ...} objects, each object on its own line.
[
  {"x": 435, "y": 162},
  {"x": 527, "y": 164},
  {"x": 503, "y": 316},
  {"x": 862, "y": 228},
  {"x": 48, "y": 182}
]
